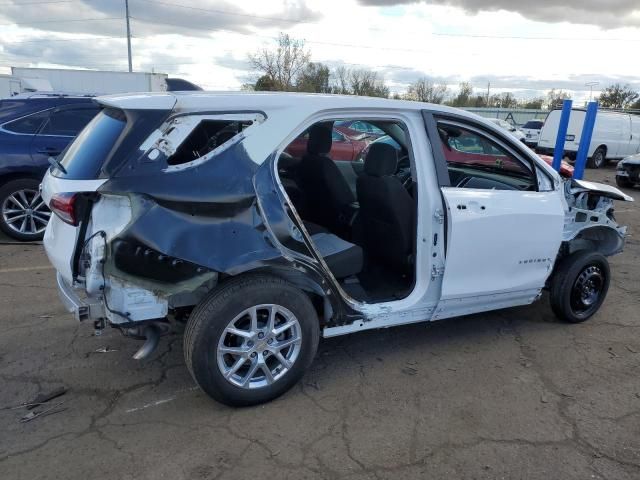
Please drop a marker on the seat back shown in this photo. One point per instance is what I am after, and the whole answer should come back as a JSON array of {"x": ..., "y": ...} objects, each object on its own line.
[
  {"x": 386, "y": 209},
  {"x": 327, "y": 193}
]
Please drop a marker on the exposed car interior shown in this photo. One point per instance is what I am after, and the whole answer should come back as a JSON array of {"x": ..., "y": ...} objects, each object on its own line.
[
  {"x": 205, "y": 137},
  {"x": 360, "y": 213}
]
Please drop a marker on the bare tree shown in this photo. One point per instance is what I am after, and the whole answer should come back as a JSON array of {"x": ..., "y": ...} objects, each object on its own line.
[
  {"x": 359, "y": 81},
  {"x": 425, "y": 90},
  {"x": 555, "y": 98},
  {"x": 282, "y": 65}
]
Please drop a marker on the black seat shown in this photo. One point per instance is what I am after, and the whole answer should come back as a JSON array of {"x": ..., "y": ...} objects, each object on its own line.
[
  {"x": 329, "y": 200},
  {"x": 344, "y": 259},
  {"x": 386, "y": 209}
]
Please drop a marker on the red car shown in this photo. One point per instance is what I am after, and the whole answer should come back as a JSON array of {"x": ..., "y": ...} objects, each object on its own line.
[
  {"x": 344, "y": 148},
  {"x": 566, "y": 169}
]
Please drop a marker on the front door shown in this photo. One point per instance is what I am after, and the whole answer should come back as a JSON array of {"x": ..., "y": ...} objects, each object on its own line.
[{"x": 503, "y": 232}]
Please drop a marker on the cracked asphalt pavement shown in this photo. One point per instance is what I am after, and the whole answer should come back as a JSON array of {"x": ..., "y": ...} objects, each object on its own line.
[{"x": 506, "y": 394}]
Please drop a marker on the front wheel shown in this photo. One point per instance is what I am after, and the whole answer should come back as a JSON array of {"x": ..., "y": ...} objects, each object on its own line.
[
  {"x": 251, "y": 340},
  {"x": 579, "y": 286}
]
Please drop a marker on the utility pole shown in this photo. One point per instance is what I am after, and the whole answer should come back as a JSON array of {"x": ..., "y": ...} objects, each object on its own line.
[
  {"x": 488, "y": 92},
  {"x": 591, "y": 85},
  {"x": 126, "y": 6}
]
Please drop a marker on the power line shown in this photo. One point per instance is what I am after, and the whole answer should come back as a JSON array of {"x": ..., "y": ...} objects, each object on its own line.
[
  {"x": 22, "y": 24},
  {"x": 224, "y": 12}
]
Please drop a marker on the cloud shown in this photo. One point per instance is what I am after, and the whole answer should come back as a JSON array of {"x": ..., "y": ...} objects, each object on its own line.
[
  {"x": 153, "y": 17},
  {"x": 606, "y": 14}
]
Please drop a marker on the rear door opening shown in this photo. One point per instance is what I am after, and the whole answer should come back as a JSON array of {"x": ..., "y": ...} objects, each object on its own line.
[{"x": 358, "y": 204}]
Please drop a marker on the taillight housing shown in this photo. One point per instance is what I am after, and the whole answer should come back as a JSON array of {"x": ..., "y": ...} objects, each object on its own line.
[{"x": 64, "y": 206}]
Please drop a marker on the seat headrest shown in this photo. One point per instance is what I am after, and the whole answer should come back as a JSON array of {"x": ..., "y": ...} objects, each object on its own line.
[
  {"x": 320, "y": 140},
  {"x": 381, "y": 160}
]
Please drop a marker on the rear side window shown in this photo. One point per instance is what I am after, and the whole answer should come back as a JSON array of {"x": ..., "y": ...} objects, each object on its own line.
[
  {"x": 68, "y": 122},
  {"x": 204, "y": 138},
  {"x": 28, "y": 125},
  {"x": 86, "y": 154}
]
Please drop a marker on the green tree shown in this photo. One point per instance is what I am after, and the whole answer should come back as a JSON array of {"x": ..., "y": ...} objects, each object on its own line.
[
  {"x": 533, "y": 103},
  {"x": 265, "y": 84},
  {"x": 314, "y": 78},
  {"x": 618, "y": 96},
  {"x": 463, "y": 97}
]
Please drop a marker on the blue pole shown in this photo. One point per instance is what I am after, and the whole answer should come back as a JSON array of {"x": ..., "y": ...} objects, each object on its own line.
[
  {"x": 585, "y": 140},
  {"x": 558, "y": 153}
]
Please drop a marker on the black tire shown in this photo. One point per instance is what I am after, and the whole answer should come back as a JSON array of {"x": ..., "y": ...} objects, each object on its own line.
[
  {"x": 599, "y": 158},
  {"x": 211, "y": 317},
  {"x": 623, "y": 182},
  {"x": 569, "y": 285},
  {"x": 8, "y": 189}
]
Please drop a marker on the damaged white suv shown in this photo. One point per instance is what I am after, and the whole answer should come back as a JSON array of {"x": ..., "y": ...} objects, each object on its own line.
[{"x": 246, "y": 217}]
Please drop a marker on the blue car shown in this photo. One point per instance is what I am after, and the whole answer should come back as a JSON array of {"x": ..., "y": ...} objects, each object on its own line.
[{"x": 34, "y": 128}]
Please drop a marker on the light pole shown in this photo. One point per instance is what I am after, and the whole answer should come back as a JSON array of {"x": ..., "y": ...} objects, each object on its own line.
[
  {"x": 126, "y": 7},
  {"x": 591, "y": 85}
]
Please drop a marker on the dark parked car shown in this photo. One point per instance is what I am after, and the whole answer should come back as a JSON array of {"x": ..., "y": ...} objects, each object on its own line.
[{"x": 34, "y": 128}]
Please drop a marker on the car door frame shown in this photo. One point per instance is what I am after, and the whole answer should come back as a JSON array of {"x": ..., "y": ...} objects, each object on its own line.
[{"x": 490, "y": 300}]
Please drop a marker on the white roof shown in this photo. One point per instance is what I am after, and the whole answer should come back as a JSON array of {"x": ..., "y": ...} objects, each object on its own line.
[{"x": 262, "y": 101}]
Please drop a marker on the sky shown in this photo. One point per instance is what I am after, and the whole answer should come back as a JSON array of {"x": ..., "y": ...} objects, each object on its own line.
[{"x": 523, "y": 46}]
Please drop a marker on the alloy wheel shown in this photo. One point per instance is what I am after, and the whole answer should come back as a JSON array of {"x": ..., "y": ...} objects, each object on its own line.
[
  {"x": 25, "y": 212},
  {"x": 259, "y": 346}
]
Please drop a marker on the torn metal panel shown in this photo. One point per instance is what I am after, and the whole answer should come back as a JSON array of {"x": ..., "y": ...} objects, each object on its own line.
[
  {"x": 589, "y": 221},
  {"x": 577, "y": 186}
]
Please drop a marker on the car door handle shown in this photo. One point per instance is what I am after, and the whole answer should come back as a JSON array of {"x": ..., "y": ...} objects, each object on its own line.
[{"x": 50, "y": 150}]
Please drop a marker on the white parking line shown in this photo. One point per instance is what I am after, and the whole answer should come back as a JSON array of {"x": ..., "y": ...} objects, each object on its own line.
[{"x": 26, "y": 269}]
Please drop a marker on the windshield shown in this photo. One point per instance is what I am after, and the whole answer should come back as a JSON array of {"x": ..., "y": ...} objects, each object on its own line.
[
  {"x": 85, "y": 156},
  {"x": 534, "y": 124}
]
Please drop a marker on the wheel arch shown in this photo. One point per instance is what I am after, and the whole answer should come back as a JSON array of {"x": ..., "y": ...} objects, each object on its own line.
[{"x": 602, "y": 239}]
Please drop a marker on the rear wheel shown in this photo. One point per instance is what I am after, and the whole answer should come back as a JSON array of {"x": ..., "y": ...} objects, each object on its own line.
[
  {"x": 624, "y": 182},
  {"x": 598, "y": 159},
  {"x": 23, "y": 213},
  {"x": 251, "y": 340},
  {"x": 579, "y": 286}
]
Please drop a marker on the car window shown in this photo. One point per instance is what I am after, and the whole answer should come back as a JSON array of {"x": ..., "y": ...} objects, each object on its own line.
[
  {"x": 68, "y": 122},
  {"x": 27, "y": 125},
  {"x": 84, "y": 157},
  {"x": 533, "y": 124},
  {"x": 335, "y": 136},
  {"x": 476, "y": 160}
]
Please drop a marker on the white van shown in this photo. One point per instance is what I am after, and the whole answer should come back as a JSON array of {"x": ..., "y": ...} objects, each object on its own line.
[{"x": 615, "y": 135}]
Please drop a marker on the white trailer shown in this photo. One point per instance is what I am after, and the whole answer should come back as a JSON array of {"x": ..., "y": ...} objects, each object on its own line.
[
  {"x": 94, "y": 81},
  {"x": 615, "y": 135}
]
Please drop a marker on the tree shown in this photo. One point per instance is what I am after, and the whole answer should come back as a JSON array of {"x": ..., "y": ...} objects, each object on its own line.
[
  {"x": 314, "y": 78},
  {"x": 555, "y": 98},
  {"x": 282, "y": 65},
  {"x": 425, "y": 90},
  {"x": 359, "y": 81},
  {"x": 265, "y": 84},
  {"x": 463, "y": 98},
  {"x": 533, "y": 103},
  {"x": 618, "y": 96}
]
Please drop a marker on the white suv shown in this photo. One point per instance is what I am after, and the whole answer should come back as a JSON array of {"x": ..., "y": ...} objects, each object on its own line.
[{"x": 184, "y": 208}]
